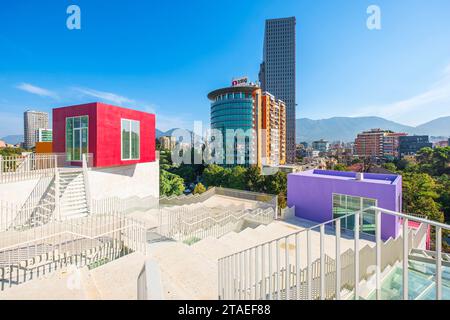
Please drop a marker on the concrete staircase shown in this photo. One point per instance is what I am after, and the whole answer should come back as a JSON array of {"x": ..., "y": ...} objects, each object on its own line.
[
  {"x": 72, "y": 191},
  {"x": 196, "y": 277}
]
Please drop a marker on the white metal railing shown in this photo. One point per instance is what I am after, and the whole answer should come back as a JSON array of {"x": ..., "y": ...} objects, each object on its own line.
[
  {"x": 40, "y": 203},
  {"x": 34, "y": 166},
  {"x": 85, "y": 160},
  {"x": 186, "y": 199},
  {"x": 124, "y": 206},
  {"x": 185, "y": 224},
  {"x": 291, "y": 267},
  {"x": 85, "y": 241},
  {"x": 31, "y": 166},
  {"x": 268, "y": 199}
]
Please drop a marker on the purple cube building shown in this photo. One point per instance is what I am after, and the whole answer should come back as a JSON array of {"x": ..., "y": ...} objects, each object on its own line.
[{"x": 322, "y": 195}]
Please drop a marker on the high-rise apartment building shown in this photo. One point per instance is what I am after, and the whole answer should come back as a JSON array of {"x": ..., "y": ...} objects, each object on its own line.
[
  {"x": 378, "y": 143},
  {"x": 277, "y": 71},
  {"x": 369, "y": 144},
  {"x": 391, "y": 143},
  {"x": 168, "y": 142},
  {"x": 252, "y": 124},
  {"x": 32, "y": 122},
  {"x": 273, "y": 126}
]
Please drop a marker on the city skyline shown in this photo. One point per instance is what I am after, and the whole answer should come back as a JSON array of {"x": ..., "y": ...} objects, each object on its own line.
[{"x": 88, "y": 65}]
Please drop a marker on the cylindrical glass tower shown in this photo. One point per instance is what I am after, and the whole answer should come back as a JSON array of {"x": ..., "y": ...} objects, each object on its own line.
[{"x": 234, "y": 111}]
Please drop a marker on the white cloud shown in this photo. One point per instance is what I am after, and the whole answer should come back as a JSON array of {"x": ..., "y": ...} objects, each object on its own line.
[
  {"x": 425, "y": 106},
  {"x": 37, "y": 90},
  {"x": 106, "y": 96}
]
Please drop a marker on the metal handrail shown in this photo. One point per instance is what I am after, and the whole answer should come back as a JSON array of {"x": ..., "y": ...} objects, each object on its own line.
[
  {"x": 410, "y": 217},
  {"x": 236, "y": 270},
  {"x": 288, "y": 235},
  {"x": 18, "y": 245},
  {"x": 231, "y": 214}
]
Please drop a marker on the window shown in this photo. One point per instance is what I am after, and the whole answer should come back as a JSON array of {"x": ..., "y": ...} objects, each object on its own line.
[
  {"x": 76, "y": 137},
  {"x": 347, "y": 205},
  {"x": 130, "y": 139}
]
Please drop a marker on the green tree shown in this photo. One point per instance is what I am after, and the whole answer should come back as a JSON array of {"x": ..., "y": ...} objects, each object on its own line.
[
  {"x": 170, "y": 184},
  {"x": 186, "y": 171},
  {"x": 165, "y": 158},
  {"x": 390, "y": 166},
  {"x": 340, "y": 167},
  {"x": 276, "y": 183},
  {"x": 441, "y": 160},
  {"x": 199, "y": 188},
  {"x": 215, "y": 176},
  {"x": 419, "y": 194},
  {"x": 425, "y": 156},
  {"x": 254, "y": 179},
  {"x": 237, "y": 178},
  {"x": 444, "y": 195},
  {"x": 434, "y": 161},
  {"x": 8, "y": 151}
]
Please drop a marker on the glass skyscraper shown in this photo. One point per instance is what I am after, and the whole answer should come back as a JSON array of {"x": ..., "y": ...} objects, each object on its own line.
[
  {"x": 237, "y": 108},
  {"x": 277, "y": 72}
]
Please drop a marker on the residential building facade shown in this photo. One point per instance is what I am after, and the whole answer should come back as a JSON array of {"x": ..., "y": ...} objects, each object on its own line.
[
  {"x": 391, "y": 144},
  {"x": 277, "y": 71},
  {"x": 167, "y": 142},
  {"x": 32, "y": 122},
  {"x": 320, "y": 145},
  {"x": 410, "y": 145},
  {"x": 378, "y": 143},
  {"x": 273, "y": 134},
  {"x": 370, "y": 143}
]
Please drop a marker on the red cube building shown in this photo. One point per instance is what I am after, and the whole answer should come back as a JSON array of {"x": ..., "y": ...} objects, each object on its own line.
[{"x": 115, "y": 136}]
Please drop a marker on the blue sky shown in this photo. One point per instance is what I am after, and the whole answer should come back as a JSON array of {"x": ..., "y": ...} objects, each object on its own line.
[{"x": 165, "y": 56}]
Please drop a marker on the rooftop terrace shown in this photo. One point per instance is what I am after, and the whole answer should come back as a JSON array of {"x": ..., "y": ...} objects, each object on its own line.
[{"x": 351, "y": 176}]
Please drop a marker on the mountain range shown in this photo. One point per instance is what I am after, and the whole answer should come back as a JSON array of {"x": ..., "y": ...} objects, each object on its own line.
[
  {"x": 13, "y": 139},
  {"x": 335, "y": 129},
  {"x": 346, "y": 128}
]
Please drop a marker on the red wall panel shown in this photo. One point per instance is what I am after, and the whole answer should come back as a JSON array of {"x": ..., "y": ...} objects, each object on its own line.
[
  {"x": 59, "y": 126},
  {"x": 105, "y": 132},
  {"x": 109, "y": 135}
]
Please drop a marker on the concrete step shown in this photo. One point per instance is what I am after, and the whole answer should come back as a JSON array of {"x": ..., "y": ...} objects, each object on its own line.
[
  {"x": 73, "y": 206},
  {"x": 212, "y": 249},
  {"x": 117, "y": 280},
  {"x": 72, "y": 184},
  {"x": 76, "y": 214},
  {"x": 73, "y": 197},
  {"x": 195, "y": 276}
]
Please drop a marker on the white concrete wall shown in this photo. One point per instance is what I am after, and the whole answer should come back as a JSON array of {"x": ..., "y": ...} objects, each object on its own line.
[
  {"x": 140, "y": 180},
  {"x": 17, "y": 192}
]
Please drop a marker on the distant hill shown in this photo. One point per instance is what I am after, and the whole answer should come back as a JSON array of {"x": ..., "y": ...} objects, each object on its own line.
[
  {"x": 437, "y": 127},
  {"x": 159, "y": 133},
  {"x": 13, "y": 139},
  {"x": 167, "y": 133},
  {"x": 346, "y": 128}
]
